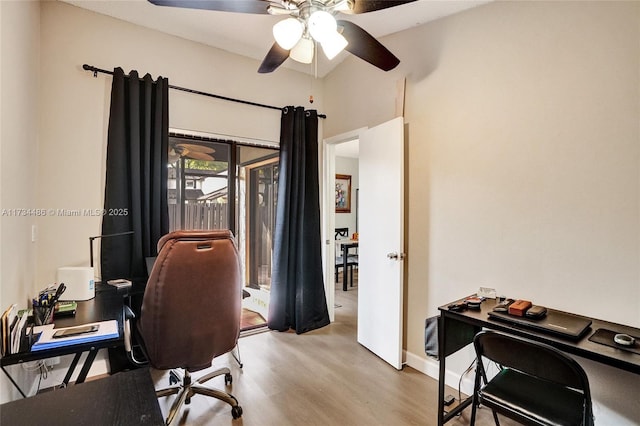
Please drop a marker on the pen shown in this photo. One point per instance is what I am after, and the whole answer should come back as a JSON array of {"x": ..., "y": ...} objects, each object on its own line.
[
  {"x": 61, "y": 289},
  {"x": 53, "y": 301}
]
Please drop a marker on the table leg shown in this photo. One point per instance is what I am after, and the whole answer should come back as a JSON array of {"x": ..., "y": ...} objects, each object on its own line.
[
  {"x": 14, "y": 382},
  {"x": 452, "y": 336},
  {"x": 72, "y": 368},
  {"x": 87, "y": 365},
  {"x": 345, "y": 276},
  {"x": 442, "y": 356}
]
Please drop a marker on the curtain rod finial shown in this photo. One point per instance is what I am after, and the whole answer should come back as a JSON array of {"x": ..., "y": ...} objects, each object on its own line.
[{"x": 90, "y": 68}]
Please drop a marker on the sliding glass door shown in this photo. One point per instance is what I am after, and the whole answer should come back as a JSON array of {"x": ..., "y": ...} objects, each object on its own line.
[
  {"x": 198, "y": 185},
  {"x": 216, "y": 184},
  {"x": 261, "y": 199}
]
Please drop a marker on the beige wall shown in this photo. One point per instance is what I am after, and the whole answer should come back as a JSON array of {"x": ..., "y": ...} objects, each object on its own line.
[
  {"x": 19, "y": 116},
  {"x": 76, "y": 107},
  {"x": 348, "y": 166},
  {"x": 523, "y": 161}
]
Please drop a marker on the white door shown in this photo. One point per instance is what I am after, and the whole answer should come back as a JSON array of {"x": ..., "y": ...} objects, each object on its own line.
[{"x": 381, "y": 242}]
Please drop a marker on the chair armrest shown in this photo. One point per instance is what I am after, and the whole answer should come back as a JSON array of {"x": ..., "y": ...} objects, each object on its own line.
[{"x": 129, "y": 317}]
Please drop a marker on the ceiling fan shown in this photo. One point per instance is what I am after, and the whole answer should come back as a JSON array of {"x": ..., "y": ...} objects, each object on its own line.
[
  {"x": 193, "y": 151},
  {"x": 309, "y": 22}
]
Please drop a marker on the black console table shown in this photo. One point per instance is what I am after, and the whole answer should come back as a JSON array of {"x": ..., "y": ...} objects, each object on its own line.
[{"x": 456, "y": 330}]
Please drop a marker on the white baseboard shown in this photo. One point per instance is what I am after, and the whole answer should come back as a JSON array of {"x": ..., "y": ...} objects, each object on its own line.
[{"x": 431, "y": 368}]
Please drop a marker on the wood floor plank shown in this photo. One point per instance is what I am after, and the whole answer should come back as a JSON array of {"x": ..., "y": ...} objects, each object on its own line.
[{"x": 323, "y": 377}]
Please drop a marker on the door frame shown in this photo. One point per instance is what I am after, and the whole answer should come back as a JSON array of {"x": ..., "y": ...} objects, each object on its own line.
[{"x": 328, "y": 170}]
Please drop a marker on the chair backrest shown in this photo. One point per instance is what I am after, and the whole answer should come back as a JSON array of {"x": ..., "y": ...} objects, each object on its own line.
[
  {"x": 342, "y": 233},
  {"x": 192, "y": 303},
  {"x": 533, "y": 358}
]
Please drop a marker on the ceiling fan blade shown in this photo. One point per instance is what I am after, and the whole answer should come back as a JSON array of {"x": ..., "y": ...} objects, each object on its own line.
[
  {"x": 364, "y": 6},
  {"x": 240, "y": 6},
  {"x": 198, "y": 156},
  {"x": 275, "y": 57},
  {"x": 366, "y": 47},
  {"x": 196, "y": 148}
]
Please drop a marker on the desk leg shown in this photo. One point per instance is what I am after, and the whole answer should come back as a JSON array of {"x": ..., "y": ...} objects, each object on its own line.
[
  {"x": 453, "y": 335},
  {"x": 14, "y": 382},
  {"x": 72, "y": 368},
  {"x": 87, "y": 365}
]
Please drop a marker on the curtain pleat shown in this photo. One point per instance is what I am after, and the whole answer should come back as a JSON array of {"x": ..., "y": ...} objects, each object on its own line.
[
  {"x": 297, "y": 299},
  {"x": 136, "y": 178}
]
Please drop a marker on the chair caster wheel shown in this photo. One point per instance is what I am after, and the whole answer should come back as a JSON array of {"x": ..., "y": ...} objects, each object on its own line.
[
  {"x": 236, "y": 412},
  {"x": 228, "y": 379},
  {"x": 173, "y": 378}
]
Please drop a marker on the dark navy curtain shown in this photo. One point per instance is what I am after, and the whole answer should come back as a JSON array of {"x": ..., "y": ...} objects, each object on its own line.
[
  {"x": 297, "y": 300},
  {"x": 136, "y": 181}
]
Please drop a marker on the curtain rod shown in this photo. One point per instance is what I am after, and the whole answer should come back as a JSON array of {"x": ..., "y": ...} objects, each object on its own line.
[{"x": 96, "y": 70}]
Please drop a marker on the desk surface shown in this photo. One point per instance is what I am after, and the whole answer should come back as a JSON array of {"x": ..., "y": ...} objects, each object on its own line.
[
  {"x": 126, "y": 398},
  {"x": 456, "y": 330},
  {"x": 616, "y": 357},
  {"x": 106, "y": 305}
]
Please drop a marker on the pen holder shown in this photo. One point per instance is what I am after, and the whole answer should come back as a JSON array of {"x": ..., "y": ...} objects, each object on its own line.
[{"x": 41, "y": 315}]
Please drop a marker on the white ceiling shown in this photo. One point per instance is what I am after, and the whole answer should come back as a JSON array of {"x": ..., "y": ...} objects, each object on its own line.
[{"x": 250, "y": 35}]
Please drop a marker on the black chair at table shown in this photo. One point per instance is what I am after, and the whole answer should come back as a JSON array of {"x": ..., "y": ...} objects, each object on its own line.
[
  {"x": 342, "y": 233},
  {"x": 191, "y": 312},
  {"x": 536, "y": 385},
  {"x": 352, "y": 259}
]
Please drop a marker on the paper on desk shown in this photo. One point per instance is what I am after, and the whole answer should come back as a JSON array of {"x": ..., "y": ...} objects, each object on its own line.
[
  {"x": 40, "y": 328},
  {"x": 107, "y": 330}
]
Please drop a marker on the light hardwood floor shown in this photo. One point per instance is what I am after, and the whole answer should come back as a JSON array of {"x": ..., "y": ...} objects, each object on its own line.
[{"x": 323, "y": 377}]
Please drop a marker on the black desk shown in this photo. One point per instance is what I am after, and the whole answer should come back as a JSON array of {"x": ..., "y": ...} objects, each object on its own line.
[
  {"x": 126, "y": 398},
  {"x": 457, "y": 329},
  {"x": 106, "y": 305}
]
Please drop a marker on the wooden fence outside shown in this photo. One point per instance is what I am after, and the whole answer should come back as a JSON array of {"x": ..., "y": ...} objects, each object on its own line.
[{"x": 199, "y": 216}]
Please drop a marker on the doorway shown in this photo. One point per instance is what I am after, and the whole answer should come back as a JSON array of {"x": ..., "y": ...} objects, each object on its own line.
[
  {"x": 340, "y": 157},
  {"x": 346, "y": 214},
  {"x": 381, "y": 249}
]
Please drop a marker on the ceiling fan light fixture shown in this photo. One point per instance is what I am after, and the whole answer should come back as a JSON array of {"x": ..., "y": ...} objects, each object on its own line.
[
  {"x": 288, "y": 32},
  {"x": 342, "y": 6},
  {"x": 333, "y": 45},
  {"x": 303, "y": 51},
  {"x": 321, "y": 25}
]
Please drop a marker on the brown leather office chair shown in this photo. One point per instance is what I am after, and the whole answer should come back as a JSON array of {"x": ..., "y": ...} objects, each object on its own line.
[
  {"x": 191, "y": 311},
  {"x": 536, "y": 385}
]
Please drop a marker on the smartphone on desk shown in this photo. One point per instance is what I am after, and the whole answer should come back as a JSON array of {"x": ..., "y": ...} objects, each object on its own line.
[{"x": 75, "y": 331}]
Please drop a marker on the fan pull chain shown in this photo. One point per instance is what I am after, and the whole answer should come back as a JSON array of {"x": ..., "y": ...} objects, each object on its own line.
[{"x": 315, "y": 72}]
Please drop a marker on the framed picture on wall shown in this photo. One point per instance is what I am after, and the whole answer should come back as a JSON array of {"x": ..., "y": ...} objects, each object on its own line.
[{"x": 343, "y": 193}]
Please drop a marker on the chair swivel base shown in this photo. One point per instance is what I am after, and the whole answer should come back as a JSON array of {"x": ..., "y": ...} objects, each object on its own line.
[{"x": 186, "y": 389}]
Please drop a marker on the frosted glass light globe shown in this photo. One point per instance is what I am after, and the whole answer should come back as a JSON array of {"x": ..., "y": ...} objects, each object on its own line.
[
  {"x": 322, "y": 25},
  {"x": 288, "y": 32}
]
